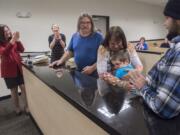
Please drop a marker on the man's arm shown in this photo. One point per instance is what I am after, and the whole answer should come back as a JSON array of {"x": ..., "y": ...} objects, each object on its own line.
[
  {"x": 68, "y": 54},
  {"x": 52, "y": 42},
  {"x": 62, "y": 41},
  {"x": 163, "y": 97}
]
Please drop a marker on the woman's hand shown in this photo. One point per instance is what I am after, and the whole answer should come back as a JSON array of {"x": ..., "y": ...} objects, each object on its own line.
[
  {"x": 15, "y": 37},
  {"x": 116, "y": 81}
]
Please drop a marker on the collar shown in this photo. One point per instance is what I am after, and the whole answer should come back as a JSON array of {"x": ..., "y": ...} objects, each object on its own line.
[{"x": 176, "y": 39}]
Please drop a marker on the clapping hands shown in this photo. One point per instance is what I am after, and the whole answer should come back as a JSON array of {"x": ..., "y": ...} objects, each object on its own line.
[{"x": 15, "y": 37}]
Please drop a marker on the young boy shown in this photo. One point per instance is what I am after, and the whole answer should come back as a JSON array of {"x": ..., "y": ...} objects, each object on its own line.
[{"x": 121, "y": 63}]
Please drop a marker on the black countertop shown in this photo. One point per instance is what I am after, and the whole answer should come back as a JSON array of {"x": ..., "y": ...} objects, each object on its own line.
[{"x": 114, "y": 110}]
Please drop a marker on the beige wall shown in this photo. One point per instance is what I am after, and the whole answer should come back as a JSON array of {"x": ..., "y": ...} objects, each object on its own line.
[
  {"x": 3, "y": 90},
  {"x": 148, "y": 60},
  {"x": 137, "y": 19}
]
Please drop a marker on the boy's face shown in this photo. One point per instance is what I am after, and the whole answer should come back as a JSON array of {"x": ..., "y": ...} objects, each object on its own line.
[{"x": 118, "y": 64}]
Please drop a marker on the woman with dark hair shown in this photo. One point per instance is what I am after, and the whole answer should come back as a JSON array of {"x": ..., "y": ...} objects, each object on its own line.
[
  {"x": 115, "y": 41},
  {"x": 142, "y": 45},
  {"x": 11, "y": 67}
]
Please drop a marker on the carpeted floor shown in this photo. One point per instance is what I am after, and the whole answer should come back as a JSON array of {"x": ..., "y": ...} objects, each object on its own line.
[{"x": 10, "y": 124}]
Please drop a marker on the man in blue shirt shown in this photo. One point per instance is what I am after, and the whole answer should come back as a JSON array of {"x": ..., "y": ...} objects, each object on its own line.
[
  {"x": 161, "y": 88},
  {"x": 83, "y": 46}
]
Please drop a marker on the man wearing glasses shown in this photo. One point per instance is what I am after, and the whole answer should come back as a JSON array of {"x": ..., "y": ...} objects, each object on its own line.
[{"x": 83, "y": 46}]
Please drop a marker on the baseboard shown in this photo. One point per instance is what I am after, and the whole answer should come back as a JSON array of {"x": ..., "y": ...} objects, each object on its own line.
[
  {"x": 36, "y": 125},
  {"x": 6, "y": 97}
]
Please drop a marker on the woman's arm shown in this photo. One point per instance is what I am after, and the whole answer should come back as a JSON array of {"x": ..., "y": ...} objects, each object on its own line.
[
  {"x": 102, "y": 60},
  {"x": 20, "y": 47},
  {"x": 4, "y": 50},
  {"x": 134, "y": 58}
]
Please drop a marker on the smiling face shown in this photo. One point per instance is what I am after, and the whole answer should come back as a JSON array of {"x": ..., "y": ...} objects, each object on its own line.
[
  {"x": 7, "y": 33},
  {"x": 85, "y": 25},
  {"x": 55, "y": 29},
  {"x": 115, "y": 45}
]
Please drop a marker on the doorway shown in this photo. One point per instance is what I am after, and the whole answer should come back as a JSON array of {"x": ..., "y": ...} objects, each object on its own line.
[{"x": 101, "y": 23}]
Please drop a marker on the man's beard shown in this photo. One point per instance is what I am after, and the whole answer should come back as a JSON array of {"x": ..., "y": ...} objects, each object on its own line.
[
  {"x": 171, "y": 35},
  {"x": 174, "y": 31}
]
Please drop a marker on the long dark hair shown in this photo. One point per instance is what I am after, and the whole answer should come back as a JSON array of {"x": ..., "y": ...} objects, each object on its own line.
[
  {"x": 2, "y": 36},
  {"x": 116, "y": 33},
  {"x": 83, "y": 16}
]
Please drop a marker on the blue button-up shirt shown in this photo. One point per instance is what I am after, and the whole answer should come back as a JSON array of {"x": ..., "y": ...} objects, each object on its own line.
[{"x": 162, "y": 92}]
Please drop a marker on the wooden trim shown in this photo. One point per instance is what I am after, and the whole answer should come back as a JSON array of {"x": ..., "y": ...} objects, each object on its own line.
[
  {"x": 147, "y": 40},
  {"x": 107, "y": 20},
  {"x": 150, "y": 52}
]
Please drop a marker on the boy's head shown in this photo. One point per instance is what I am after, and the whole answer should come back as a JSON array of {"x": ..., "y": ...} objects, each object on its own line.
[{"x": 120, "y": 59}]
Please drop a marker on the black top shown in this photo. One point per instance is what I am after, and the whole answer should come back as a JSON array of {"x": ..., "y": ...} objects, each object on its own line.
[
  {"x": 57, "y": 50},
  {"x": 165, "y": 45},
  {"x": 117, "y": 112}
]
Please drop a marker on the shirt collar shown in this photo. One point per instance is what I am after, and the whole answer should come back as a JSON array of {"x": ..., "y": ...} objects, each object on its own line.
[{"x": 175, "y": 41}]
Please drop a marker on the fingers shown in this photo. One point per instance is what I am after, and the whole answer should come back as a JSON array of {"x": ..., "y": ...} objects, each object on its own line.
[
  {"x": 85, "y": 68},
  {"x": 83, "y": 71},
  {"x": 15, "y": 36},
  {"x": 53, "y": 64}
]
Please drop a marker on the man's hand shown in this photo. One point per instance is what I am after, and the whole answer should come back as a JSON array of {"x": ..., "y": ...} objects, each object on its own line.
[
  {"x": 137, "y": 79},
  {"x": 55, "y": 63},
  {"x": 88, "y": 70}
]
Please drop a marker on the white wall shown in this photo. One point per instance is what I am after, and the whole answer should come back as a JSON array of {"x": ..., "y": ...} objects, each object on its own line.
[
  {"x": 3, "y": 89},
  {"x": 136, "y": 19}
]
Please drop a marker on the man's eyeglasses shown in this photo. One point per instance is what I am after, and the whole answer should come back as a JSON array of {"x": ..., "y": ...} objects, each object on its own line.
[{"x": 86, "y": 22}]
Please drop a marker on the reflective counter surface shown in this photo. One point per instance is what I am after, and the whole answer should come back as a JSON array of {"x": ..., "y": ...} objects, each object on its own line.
[{"x": 111, "y": 108}]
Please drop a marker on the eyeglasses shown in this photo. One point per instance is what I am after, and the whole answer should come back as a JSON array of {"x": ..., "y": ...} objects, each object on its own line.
[{"x": 86, "y": 22}]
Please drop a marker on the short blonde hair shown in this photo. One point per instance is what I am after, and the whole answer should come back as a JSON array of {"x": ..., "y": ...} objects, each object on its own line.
[{"x": 55, "y": 26}]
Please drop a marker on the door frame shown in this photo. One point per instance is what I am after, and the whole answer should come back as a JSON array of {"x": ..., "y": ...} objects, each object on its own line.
[{"x": 107, "y": 18}]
